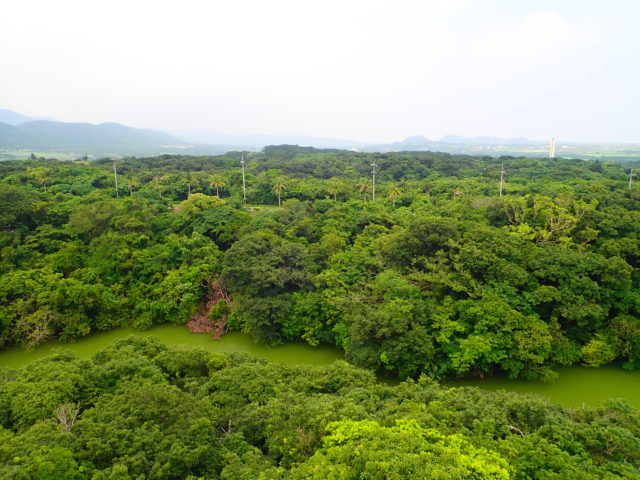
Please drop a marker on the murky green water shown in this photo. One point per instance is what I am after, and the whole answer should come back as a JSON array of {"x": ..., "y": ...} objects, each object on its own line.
[
  {"x": 576, "y": 385},
  {"x": 292, "y": 353}
]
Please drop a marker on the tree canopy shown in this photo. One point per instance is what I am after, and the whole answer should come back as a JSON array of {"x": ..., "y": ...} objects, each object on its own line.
[
  {"x": 439, "y": 276},
  {"x": 140, "y": 409}
]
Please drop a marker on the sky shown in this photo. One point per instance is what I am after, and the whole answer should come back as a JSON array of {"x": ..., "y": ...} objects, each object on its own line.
[{"x": 374, "y": 71}]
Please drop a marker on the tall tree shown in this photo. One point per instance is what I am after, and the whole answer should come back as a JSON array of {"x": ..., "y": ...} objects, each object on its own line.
[
  {"x": 394, "y": 193},
  {"x": 218, "y": 184},
  {"x": 364, "y": 187},
  {"x": 131, "y": 182},
  {"x": 41, "y": 175},
  {"x": 278, "y": 188}
]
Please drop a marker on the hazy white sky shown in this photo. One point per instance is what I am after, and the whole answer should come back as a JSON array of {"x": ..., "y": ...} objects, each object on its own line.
[{"x": 367, "y": 70}]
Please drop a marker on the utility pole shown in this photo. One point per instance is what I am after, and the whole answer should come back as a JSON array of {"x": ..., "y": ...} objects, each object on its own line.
[
  {"x": 552, "y": 149},
  {"x": 115, "y": 175},
  {"x": 373, "y": 181},
  {"x": 631, "y": 175},
  {"x": 244, "y": 186},
  {"x": 502, "y": 172}
]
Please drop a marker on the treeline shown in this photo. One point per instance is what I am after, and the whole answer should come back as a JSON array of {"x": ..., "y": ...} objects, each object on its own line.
[
  {"x": 140, "y": 409},
  {"x": 439, "y": 275}
]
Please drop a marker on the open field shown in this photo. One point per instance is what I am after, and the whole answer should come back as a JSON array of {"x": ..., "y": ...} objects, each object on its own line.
[{"x": 8, "y": 154}]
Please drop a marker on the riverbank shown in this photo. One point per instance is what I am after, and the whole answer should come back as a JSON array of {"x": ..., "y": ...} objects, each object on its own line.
[{"x": 575, "y": 386}]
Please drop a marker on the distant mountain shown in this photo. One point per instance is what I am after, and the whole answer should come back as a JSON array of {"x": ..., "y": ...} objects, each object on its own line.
[
  {"x": 458, "y": 140},
  {"x": 458, "y": 144},
  {"x": 487, "y": 140},
  {"x": 14, "y": 118},
  {"x": 417, "y": 140},
  {"x": 104, "y": 138},
  {"x": 21, "y": 132},
  {"x": 258, "y": 141}
]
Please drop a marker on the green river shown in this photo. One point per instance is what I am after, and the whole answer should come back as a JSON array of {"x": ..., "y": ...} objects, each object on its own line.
[{"x": 576, "y": 385}]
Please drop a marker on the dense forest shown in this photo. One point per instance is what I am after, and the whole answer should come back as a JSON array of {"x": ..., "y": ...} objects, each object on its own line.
[
  {"x": 142, "y": 410},
  {"x": 436, "y": 275}
]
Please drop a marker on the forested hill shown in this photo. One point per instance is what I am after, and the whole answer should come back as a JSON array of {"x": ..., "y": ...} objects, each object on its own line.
[
  {"x": 84, "y": 138},
  {"x": 437, "y": 276}
]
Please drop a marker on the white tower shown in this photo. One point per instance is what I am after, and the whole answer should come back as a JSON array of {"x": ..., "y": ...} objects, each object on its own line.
[
  {"x": 552, "y": 148},
  {"x": 244, "y": 187},
  {"x": 115, "y": 175},
  {"x": 373, "y": 181}
]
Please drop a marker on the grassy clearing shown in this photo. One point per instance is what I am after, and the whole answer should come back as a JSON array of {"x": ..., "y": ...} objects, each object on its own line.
[{"x": 261, "y": 208}]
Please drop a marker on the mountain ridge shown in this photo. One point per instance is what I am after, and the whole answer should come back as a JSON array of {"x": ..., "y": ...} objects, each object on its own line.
[
  {"x": 14, "y": 118},
  {"x": 85, "y": 137},
  {"x": 27, "y": 133}
]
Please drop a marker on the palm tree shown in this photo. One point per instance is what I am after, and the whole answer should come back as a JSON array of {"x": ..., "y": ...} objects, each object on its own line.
[
  {"x": 364, "y": 187},
  {"x": 192, "y": 179},
  {"x": 278, "y": 188},
  {"x": 131, "y": 182},
  {"x": 218, "y": 184},
  {"x": 157, "y": 180},
  {"x": 336, "y": 186},
  {"x": 394, "y": 193},
  {"x": 333, "y": 190},
  {"x": 40, "y": 175}
]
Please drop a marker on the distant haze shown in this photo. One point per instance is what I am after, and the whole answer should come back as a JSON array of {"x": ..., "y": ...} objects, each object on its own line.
[{"x": 371, "y": 71}]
